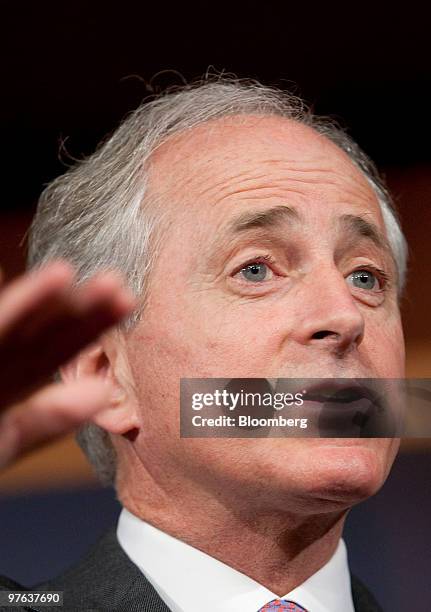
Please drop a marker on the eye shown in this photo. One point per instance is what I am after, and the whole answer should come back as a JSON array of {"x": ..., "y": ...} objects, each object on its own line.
[
  {"x": 365, "y": 279},
  {"x": 256, "y": 271}
]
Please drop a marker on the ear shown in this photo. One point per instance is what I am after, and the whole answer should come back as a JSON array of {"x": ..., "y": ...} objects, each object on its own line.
[{"x": 107, "y": 360}]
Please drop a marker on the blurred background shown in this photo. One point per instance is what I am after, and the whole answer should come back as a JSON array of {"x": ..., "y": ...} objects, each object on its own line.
[{"x": 71, "y": 71}]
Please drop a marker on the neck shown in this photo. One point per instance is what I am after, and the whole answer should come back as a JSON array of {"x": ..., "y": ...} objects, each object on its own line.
[{"x": 283, "y": 548}]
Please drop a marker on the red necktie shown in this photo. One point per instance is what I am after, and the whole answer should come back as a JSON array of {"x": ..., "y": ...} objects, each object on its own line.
[{"x": 282, "y": 605}]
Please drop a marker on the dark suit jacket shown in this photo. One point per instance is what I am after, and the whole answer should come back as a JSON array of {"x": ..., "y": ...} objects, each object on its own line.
[{"x": 105, "y": 579}]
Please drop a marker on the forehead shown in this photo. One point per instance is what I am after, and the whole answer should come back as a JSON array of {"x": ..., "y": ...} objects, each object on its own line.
[{"x": 242, "y": 158}]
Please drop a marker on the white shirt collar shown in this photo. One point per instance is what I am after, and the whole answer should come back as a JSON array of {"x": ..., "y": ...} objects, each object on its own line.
[{"x": 189, "y": 580}]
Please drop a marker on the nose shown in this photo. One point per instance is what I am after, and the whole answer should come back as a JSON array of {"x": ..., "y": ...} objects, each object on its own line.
[{"x": 330, "y": 315}]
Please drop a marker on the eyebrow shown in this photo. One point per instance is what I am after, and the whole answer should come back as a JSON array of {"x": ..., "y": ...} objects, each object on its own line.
[
  {"x": 358, "y": 226},
  {"x": 262, "y": 219},
  {"x": 355, "y": 225}
]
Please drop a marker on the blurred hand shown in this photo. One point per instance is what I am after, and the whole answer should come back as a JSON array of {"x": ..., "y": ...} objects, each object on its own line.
[{"x": 44, "y": 322}]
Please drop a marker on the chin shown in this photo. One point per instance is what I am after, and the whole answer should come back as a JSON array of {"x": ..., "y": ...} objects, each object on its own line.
[{"x": 346, "y": 473}]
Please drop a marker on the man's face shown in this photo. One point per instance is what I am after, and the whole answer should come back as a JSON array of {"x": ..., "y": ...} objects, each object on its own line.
[{"x": 255, "y": 279}]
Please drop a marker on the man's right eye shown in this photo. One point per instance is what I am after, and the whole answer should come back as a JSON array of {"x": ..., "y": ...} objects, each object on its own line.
[{"x": 256, "y": 272}]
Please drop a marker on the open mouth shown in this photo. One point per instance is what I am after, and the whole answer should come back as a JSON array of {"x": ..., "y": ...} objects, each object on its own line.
[
  {"x": 342, "y": 394},
  {"x": 352, "y": 411},
  {"x": 345, "y": 408}
]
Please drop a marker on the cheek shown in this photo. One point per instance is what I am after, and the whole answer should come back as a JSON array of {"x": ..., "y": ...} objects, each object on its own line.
[
  {"x": 385, "y": 345},
  {"x": 205, "y": 340},
  {"x": 238, "y": 340}
]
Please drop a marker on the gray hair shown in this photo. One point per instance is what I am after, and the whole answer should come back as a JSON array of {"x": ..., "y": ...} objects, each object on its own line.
[{"x": 98, "y": 214}]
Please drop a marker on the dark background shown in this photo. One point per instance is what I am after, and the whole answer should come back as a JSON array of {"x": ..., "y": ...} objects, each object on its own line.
[{"x": 72, "y": 70}]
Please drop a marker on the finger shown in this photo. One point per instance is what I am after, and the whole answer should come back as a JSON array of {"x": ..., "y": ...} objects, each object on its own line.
[
  {"x": 105, "y": 291},
  {"x": 41, "y": 341},
  {"x": 52, "y": 412},
  {"x": 23, "y": 295},
  {"x": 30, "y": 360},
  {"x": 106, "y": 288}
]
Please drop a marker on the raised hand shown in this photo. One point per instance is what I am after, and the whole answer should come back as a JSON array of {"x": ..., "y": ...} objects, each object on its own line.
[{"x": 44, "y": 322}]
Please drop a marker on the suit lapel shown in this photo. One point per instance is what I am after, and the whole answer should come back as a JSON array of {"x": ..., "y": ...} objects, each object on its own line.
[
  {"x": 363, "y": 600},
  {"x": 106, "y": 579}
]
